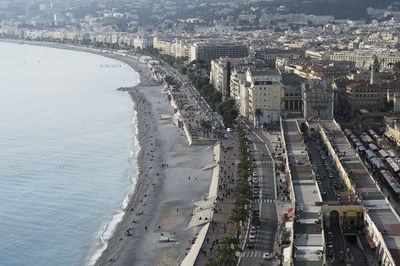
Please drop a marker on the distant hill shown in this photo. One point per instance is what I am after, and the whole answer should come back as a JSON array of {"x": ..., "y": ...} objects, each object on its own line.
[{"x": 340, "y": 9}]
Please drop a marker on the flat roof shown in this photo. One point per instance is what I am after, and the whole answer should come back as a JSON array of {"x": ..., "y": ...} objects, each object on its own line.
[
  {"x": 309, "y": 240},
  {"x": 307, "y": 263},
  {"x": 384, "y": 219},
  {"x": 306, "y": 193},
  {"x": 372, "y": 199}
]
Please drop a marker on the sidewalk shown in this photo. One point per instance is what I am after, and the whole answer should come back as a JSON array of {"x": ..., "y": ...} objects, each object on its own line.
[{"x": 219, "y": 226}]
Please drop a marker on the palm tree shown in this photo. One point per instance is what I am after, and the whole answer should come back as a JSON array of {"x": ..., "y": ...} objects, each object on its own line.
[
  {"x": 258, "y": 112},
  {"x": 225, "y": 253}
]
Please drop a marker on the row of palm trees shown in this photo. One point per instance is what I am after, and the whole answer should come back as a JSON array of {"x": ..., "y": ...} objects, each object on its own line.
[
  {"x": 243, "y": 193},
  {"x": 225, "y": 255}
]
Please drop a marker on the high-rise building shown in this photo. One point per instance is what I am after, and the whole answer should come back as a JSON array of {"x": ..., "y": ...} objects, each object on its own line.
[
  {"x": 221, "y": 71},
  {"x": 208, "y": 51}
]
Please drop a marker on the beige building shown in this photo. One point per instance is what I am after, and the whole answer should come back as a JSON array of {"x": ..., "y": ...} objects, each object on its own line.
[
  {"x": 265, "y": 93},
  {"x": 238, "y": 76},
  {"x": 364, "y": 58},
  {"x": 182, "y": 49},
  {"x": 220, "y": 75},
  {"x": 167, "y": 47},
  {"x": 222, "y": 70},
  {"x": 393, "y": 129}
]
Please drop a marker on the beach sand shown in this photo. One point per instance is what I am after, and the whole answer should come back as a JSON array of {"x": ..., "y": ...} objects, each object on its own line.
[{"x": 165, "y": 196}]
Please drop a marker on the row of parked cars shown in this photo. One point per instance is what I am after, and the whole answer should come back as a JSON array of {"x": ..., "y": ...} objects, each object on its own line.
[
  {"x": 329, "y": 244},
  {"x": 255, "y": 223},
  {"x": 331, "y": 176},
  {"x": 255, "y": 214}
]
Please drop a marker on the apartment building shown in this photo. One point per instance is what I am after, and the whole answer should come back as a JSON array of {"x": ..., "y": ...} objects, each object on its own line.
[
  {"x": 208, "y": 51},
  {"x": 221, "y": 71},
  {"x": 265, "y": 93},
  {"x": 292, "y": 100},
  {"x": 182, "y": 49},
  {"x": 364, "y": 58},
  {"x": 142, "y": 42},
  {"x": 318, "y": 99},
  {"x": 165, "y": 46},
  {"x": 271, "y": 53}
]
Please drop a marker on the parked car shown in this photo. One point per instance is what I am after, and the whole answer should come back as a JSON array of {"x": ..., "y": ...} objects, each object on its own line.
[
  {"x": 250, "y": 245},
  {"x": 253, "y": 229}
]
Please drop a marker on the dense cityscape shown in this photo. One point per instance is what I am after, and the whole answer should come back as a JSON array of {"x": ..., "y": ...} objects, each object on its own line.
[{"x": 304, "y": 106}]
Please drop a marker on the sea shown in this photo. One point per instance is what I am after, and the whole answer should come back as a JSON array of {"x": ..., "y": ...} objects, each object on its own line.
[{"x": 68, "y": 151}]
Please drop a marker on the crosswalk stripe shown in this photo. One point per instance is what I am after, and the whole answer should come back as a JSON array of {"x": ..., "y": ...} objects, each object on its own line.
[
  {"x": 266, "y": 200},
  {"x": 252, "y": 254}
]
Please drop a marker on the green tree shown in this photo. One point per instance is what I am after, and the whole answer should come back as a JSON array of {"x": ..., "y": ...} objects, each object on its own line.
[
  {"x": 225, "y": 253},
  {"x": 228, "y": 111}
]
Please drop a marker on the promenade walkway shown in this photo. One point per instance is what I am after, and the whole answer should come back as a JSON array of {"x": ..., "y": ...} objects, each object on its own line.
[{"x": 219, "y": 226}]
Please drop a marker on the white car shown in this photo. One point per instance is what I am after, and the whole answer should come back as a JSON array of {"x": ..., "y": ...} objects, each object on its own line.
[{"x": 267, "y": 256}]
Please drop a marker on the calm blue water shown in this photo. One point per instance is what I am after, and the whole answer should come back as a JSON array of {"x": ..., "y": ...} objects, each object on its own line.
[{"x": 67, "y": 153}]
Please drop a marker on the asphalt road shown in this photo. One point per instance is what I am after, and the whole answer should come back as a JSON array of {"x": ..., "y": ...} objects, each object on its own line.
[
  {"x": 339, "y": 244},
  {"x": 322, "y": 172},
  {"x": 266, "y": 204}
]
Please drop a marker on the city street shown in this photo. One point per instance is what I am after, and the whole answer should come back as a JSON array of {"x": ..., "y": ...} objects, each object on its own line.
[
  {"x": 322, "y": 172},
  {"x": 266, "y": 204}
]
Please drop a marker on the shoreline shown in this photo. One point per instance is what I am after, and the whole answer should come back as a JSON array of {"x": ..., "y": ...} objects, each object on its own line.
[{"x": 150, "y": 179}]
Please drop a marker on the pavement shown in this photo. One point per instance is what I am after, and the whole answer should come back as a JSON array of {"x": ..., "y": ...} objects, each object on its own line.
[
  {"x": 266, "y": 204},
  {"x": 321, "y": 170},
  {"x": 219, "y": 225}
]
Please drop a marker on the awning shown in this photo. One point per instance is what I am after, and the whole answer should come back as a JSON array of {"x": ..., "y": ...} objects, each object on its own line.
[
  {"x": 370, "y": 242},
  {"x": 290, "y": 213}
]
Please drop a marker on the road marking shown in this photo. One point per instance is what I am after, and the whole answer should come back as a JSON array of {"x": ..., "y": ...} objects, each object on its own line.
[
  {"x": 265, "y": 200},
  {"x": 251, "y": 254}
]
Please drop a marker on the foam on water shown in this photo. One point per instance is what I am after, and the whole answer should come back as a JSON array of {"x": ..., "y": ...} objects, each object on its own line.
[{"x": 108, "y": 230}]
